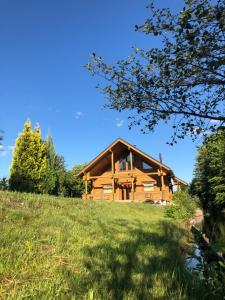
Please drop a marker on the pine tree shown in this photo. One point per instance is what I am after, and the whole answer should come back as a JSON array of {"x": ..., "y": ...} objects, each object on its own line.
[
  {"x": 29, "y": 161},
  {"x": 49, "y": 178},
  {"x": 55, "y": 169}
]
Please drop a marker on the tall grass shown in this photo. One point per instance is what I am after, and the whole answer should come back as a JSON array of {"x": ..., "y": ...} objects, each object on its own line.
[{"x": 59, "y": 248}]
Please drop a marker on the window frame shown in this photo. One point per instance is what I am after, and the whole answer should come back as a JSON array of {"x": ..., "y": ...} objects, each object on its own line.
[
  {"x": 150, "y": 185},
  {"x": 107, "y": 189}
]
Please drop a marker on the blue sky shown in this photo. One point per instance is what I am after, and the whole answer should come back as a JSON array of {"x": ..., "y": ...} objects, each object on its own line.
[{"x": 44, "y": 47}]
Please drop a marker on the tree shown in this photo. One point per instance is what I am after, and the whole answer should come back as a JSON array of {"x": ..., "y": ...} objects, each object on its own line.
[
  {"x": 29, "y": 161},
  {"x": 4, "y": 184},
  {"x": 73, "y": 185},
  {"x": 181, "y": 82},
  {"x": 55, "y": 168},
  {"x": 50, "y": 179},
  {"x": 209, "y": 185},
  {"x": 209, "y": 175}
]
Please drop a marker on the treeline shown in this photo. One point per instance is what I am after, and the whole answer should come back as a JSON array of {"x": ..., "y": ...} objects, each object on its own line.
[
  {"x": 209, "y": 175},
  {"x": 37, "y": 168},
  {"x": 209, "y": 184}
]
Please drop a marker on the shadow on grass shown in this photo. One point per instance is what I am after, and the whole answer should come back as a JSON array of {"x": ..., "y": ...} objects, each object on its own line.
[{"x": 143, "y": 265}]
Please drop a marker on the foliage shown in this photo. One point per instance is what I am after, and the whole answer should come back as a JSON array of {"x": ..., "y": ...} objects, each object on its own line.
[
  {"x": 55, "y": 169},
  {"x": 58, "y": 248},
  {"x": 73, "y": 185},
  {"x": 181, "y": 81},
  {"x": 210, "y": 266},
  {"x": 209, "y": 175},
  {"x": 4, "y": 185},
  {"x": 36, "y": 166},
  {"x": 60, "y": 172},
  {"x": 29, "y": 161},
  {"x": 50, "y": 176},
  {"x": 184, "y": 206}
]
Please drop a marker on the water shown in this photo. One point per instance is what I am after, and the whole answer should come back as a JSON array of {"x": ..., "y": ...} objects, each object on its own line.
[{"x": 195, "y": 262}]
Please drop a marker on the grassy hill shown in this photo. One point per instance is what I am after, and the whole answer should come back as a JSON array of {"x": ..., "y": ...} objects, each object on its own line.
[{"x": 59, "y": 248}]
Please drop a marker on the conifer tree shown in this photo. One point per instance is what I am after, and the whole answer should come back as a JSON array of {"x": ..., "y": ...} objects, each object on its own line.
[
  {"x": 29, "y": 161},
  {"x": 55, "y": 168},
  {"x": 209, "y": 177}
]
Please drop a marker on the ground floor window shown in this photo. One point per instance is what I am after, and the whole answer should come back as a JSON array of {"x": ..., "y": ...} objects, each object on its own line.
[
  {"x": 107, "y": 189},
  {"x": 148, "y": 187}
]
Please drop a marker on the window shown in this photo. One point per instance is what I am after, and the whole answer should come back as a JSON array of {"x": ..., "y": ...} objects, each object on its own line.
[
  {"x": 148, "y": 187},
  {"x": 107, "y": 189},
  {"x": 146, "y": 166},
  {"x": 125, "y": 164}
]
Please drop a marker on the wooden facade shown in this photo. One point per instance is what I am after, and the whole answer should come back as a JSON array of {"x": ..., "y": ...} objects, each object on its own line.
[{"x": 123, "y": 172}]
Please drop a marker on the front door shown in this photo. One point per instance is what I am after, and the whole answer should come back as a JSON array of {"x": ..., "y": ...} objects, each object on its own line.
[{"x": 125, "y": 192}]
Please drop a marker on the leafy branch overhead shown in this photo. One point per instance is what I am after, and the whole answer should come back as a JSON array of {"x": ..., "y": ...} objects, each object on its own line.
[{"x": 182, "y": 82}]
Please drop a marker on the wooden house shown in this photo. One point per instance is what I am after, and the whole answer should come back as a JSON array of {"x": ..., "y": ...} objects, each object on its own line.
[{"x": 123, "y": 172}]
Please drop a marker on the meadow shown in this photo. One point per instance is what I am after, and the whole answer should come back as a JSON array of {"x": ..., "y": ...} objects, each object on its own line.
[{"x": 62, "y": 248}]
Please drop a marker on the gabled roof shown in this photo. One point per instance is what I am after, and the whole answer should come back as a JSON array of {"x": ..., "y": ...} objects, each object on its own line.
[{"x": 120, "y": 140}]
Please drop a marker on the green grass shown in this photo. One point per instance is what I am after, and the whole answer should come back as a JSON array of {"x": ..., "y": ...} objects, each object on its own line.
[{"x": 58, "y": 248}]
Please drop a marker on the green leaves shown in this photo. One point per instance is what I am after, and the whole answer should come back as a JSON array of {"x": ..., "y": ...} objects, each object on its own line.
[
  {"x": 209, "y": 179},
  {"x": 183, "y": 78},
  {"x": 29, "y": 161},
  {"x": 184, "y": 206}
]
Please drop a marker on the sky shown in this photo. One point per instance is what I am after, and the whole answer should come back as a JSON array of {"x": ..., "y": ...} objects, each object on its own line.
[{"x": 44, "y": 46}]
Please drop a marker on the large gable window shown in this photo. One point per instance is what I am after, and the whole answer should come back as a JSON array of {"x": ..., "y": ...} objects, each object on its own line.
[
  {"x": 124, "y": 162},
  {"x": 146, "y": 166}
]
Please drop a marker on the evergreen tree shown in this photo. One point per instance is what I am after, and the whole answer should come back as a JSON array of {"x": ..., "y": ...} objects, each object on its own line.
[
  {"x": 209, "y": 176},
  {"x": 60, "y": 172},
  {"x": 29, "y": 161},
  {"x": 55, "y": 168},
  {"x": 49, "y": 180}
]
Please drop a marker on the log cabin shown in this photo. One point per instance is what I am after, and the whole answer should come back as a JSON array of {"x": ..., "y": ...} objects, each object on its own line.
[{"x": 124, "y": 172}]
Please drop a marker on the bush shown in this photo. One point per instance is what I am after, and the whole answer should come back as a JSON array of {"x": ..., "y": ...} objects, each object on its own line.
[{"x": 183, "y": 207}]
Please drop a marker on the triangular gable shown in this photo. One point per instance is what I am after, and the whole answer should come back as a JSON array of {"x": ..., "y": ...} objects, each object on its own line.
[{"x": 136, "y": 150}]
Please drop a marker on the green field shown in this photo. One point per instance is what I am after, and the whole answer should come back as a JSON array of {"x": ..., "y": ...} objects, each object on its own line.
[{"x": 59, "y": 248}]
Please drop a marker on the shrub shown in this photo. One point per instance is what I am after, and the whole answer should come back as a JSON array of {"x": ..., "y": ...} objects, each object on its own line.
[{"x": 183, "y": 207}]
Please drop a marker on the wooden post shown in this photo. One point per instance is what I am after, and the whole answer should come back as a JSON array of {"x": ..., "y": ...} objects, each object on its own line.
[
  {"x": 113, "y": 171},
  {"x": 132, "y": 182},
  {"x": 86, "y": 187},
  {"x": 131, "y": 162},
  {"x": 132, "y": 189},
  {"x": 162, "y": 184}
]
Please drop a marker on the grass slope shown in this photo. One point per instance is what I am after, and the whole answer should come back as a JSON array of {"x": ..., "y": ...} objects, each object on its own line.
[{"x": 58, "y": 248}]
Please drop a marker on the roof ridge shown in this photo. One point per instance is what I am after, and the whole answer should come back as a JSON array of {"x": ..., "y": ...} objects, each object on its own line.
[{"x": 119, "y": 139}]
